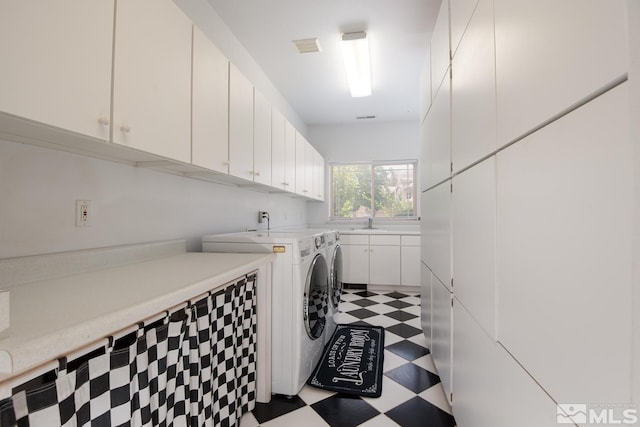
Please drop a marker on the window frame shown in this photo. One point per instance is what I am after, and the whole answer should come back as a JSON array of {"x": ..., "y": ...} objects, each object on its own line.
[{"x": 372, "y": 165}]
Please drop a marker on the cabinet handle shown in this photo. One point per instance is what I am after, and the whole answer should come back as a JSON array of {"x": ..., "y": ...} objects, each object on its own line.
[
  {"x": 254, "y": 173},
  {"x": 225, "y": 163},
  {"x": 125, "y": 128},
  {"x": 104, "y": 121},
  {"x": 305, "y": 191},
  {"x": 285, "y": 183}
]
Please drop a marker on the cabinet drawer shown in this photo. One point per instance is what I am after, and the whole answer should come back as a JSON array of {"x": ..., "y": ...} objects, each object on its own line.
[
  {"x": 376, "y": 239},
  {"x": 410, "y": 240},
  {"x": 354, "y": 239}
]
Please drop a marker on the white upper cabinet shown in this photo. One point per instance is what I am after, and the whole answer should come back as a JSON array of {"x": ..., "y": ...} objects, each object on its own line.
[
  {"x": 152, "y": 78},
  {"x": 473, "y": 93},
  {"x": 240, "y": 125},
  {"x": 303, "y": 182},
  {"x": 277, "y": 149},
  {"x": 440, "y": 47},
  {"x": 547, "y": 60},
  {"x": 318, "y": 176},
  {"x": 461, "y": 11},
  {"x": 56, "y": 63},
  {"x": 210, "y": 100},
  {"x": 565, "y": 209},
  {"x": 289, "y": 156},
  {"x": 261, "y": 139}
]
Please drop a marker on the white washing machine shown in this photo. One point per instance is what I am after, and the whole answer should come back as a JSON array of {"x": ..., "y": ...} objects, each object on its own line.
[
  {"x": 334, "y": 262},
  {"x": 300, "y": 299}
]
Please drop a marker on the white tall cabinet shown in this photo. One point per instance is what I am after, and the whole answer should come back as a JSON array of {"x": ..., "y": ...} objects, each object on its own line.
[
  {"x": 527, "y": 277},
  {"x": 152, "y": 78},
  {"x": 63, "y": 78}
]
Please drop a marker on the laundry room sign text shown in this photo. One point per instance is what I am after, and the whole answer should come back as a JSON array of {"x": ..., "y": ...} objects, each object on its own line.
[{"x": 352, "y": 362}]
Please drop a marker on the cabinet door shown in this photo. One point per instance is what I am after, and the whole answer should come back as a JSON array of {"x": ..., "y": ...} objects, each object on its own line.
[
  {"x": 438, "y": 138},
  {"x": 240, "y": 125},
  {"x": 56, "y": 63},
  {"x": 564, "y": 245},
  {"x": 309, "y": 165},
  {"x": 289, "y": 156},
  {"x": 356, "y": 263},
  {"x": 277, "y": 149},
  {"x": 549, "y": 57},
  {"x": 318, "y": 176},
  {"x": 152, "y": 78},
  {"x": 478, "y": 360},
  {"x": 426, "y": 300},
  {"x": 436, "y": 231},
  {"x": 384, "y": 265},
  {"x": 301, "y": 165},
  {"x": 460, "y": 13},
  {"x": 474, "y": 241},
  {"x": 410, "y": 265},
  {"x": 262, "y": 140},
  {"x": 441, "y": 332},
  {"x": 210, "y": 121},
  {"x": 440, "y": 46},
  {"x": 473, "y": 91}
]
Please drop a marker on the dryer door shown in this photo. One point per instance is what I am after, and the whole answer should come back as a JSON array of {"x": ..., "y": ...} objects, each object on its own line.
[
  {"x": 316, "y": 297},
  {"x": 336, "y": 277}
]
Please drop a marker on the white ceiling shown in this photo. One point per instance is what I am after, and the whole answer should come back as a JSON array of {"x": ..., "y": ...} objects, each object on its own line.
[{"x": 315, "y": 84}]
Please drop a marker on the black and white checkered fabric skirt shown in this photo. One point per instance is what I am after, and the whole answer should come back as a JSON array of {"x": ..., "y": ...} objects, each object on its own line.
[{"x": 195, "y": 369}]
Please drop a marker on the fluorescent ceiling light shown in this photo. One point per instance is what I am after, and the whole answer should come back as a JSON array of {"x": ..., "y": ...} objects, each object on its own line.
[{"x": 355, "y": 52}]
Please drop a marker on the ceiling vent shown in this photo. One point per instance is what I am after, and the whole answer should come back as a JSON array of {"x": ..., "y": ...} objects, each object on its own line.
[
  {"x": 365, "y": 117},
  {"x": 307, "y": 45}
]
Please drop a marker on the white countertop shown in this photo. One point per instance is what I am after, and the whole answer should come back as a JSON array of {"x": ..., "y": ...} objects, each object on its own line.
[{"x": 51, "y": 318}]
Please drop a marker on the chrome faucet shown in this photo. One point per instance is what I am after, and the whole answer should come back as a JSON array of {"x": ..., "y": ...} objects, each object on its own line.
[{"x": 370, "y": 225}]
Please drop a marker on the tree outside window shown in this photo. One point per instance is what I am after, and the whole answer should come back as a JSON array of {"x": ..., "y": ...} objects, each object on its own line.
[{"x": 377, "y": 190}]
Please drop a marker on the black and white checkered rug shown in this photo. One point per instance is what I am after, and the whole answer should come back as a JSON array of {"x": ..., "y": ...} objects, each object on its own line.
[{"x": 412, "y": 394}]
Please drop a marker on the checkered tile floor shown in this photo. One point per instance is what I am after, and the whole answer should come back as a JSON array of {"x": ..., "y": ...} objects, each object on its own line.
[{"x": 412, "y": 394}]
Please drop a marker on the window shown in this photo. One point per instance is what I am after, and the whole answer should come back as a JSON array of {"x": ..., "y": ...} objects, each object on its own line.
[{"x": 378, "y": 190}]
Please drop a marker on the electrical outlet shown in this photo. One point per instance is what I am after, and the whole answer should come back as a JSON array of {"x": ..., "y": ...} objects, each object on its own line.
[{"x": 83, "y": 213}]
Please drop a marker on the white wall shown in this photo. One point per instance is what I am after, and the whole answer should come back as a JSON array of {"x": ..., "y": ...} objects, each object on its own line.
[
  {"x": 361, "y": 142},
  {"x": 39, "y": 187}
]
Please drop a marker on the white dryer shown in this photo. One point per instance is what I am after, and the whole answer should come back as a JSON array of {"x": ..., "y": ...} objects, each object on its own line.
[
  {"x": 300, "y": 299},
  {"x": 334, "y": 262}
]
